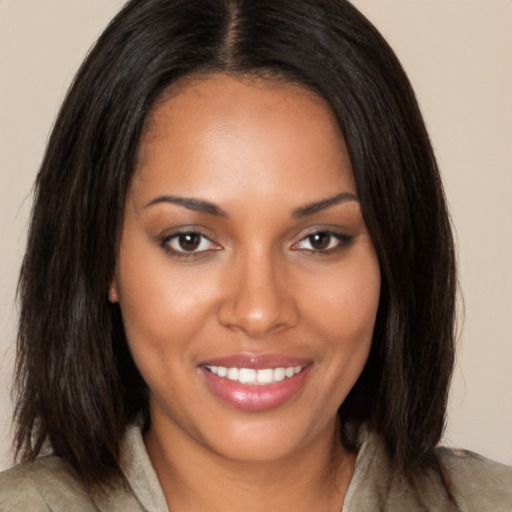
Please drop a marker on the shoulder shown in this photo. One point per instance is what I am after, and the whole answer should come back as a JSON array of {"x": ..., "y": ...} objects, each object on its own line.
[
  {"x": 476, "y": 484},
  {"x": 45, "y": 484},
  {"x": 480, "y": 483}
]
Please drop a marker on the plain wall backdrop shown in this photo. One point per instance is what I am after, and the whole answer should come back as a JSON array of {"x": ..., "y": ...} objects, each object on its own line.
[{"x": 458, "y": 54}]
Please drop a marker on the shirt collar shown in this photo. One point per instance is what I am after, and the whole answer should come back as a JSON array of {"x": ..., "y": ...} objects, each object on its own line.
[{"x": 139, "y": 472}]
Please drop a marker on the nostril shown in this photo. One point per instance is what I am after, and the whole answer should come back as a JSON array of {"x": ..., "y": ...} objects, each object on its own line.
[{"x": 257, "y": 318}]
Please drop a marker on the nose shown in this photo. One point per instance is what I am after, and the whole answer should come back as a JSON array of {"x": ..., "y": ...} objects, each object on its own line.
[{"x": 260, "y": 299}]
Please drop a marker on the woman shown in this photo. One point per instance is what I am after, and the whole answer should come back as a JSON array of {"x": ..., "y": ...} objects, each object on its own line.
[{"x": 238, "y": 291}]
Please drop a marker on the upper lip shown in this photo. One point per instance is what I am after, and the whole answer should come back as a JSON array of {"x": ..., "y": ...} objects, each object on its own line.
[{"x": 256, "y": 361}]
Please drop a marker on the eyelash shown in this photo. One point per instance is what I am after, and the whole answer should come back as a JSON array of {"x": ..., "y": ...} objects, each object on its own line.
[
  {"x": 166, "y": 242},
  {"x": 341, "y": 240}
]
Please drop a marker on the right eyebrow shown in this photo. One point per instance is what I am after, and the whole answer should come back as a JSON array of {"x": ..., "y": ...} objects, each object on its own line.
[{"x": 197, "y": 205}]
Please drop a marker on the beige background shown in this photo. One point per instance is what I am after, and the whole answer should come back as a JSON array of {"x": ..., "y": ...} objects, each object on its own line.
[{"x": 458, "y": 55}]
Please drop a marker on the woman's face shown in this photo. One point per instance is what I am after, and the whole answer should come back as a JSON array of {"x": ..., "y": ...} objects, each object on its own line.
[{"x": 246, "y": 277}]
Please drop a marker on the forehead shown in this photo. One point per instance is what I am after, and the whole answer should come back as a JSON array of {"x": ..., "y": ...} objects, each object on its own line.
[{"x": 256, "y": 132}]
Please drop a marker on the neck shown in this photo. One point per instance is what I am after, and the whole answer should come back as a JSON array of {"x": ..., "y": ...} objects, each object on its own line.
[{"x": 195, "y": 479}]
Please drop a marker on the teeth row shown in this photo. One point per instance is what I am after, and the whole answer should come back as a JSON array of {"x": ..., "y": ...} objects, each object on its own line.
[{"x": 251, "y": 376}]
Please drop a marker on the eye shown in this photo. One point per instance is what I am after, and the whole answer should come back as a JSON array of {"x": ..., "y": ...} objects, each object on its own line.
[
  {"x": 188, "y": 242},
  {"x": 323, "y": 241}
]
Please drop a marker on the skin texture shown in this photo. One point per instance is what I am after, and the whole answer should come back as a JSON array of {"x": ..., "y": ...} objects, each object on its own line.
[{"x": 253, "y": 284}]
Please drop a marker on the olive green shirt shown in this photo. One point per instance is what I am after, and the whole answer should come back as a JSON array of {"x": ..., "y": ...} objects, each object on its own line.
[{"x": 478, "y": 485}]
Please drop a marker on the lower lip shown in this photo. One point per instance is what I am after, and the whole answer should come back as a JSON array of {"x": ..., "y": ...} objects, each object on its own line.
[{"x": 255, "y": 397}]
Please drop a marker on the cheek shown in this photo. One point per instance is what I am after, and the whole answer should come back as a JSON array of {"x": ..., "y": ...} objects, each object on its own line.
[
  {"x": 162, "y": 320},
  {"x": 162, "y": 308},
  {"x": 344, "y": 311},
  {"x": 346, "y": 302},
  {"x": 350, "y": 325}
]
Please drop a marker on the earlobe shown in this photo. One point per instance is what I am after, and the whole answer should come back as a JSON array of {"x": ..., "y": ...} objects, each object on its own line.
[{"x": 113, "y": 294}]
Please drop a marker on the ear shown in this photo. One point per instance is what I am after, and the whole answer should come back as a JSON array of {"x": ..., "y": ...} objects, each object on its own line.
[{"x": 113, "y": 293}]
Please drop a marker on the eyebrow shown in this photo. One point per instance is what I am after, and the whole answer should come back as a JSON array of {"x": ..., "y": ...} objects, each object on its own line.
[
  {"x": 202, "y": 206},
  {"x": 197, "y": 205},
  {"x": 312, "y": 208}
]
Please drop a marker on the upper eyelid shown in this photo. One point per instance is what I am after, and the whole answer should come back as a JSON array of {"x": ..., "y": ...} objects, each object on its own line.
[
  {"x": 176, "y": 234},
  {"x": 339, "y": 235},
  {"x": 337, "y": 231},
  {"x": 171, "y": 232}
]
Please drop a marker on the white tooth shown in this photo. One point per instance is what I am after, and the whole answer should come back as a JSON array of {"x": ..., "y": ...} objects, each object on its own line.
[
  {"x": 298, "y": 369},
  {"x": 247, "y": 375},
  {"x": 290, "y": 372},
  {"x": 265, "y": 376},
  {"x": 222, "y": 371},
  {"x": 214, "y": 369},
  {"x": 233, "y": 373},
  {"x": 279, "y": 374}
]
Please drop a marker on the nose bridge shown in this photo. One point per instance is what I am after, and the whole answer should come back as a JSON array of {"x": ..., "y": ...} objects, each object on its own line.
[{"x": 259, "y": 301}]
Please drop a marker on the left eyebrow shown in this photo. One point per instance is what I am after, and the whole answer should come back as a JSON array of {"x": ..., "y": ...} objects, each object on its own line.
[{"x": 318, "y": 206}]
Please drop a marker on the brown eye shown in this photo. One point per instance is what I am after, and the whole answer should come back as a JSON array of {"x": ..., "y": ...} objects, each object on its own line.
[
  {"x": 189, "y": 241},
  {"x": 323, "y": 242},
  {"x": 320, "y": 241}
]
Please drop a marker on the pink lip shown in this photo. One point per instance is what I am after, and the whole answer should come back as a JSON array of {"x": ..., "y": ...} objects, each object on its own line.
[{"x": 250, "y": 397}]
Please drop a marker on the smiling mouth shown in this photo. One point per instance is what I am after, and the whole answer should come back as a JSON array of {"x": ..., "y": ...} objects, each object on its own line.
[
  {"x": 256, "y": 377},
  {"x": 255, "y": 382}
]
